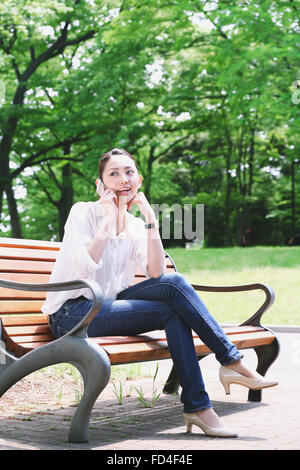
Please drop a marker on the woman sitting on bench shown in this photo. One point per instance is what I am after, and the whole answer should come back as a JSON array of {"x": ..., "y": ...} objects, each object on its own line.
[{"x": 104, "y": 242}]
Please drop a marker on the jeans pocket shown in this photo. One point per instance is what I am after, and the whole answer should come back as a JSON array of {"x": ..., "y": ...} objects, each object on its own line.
[
  {"x": 69, "y": 314},
  {"x": 55, "y": 316}
]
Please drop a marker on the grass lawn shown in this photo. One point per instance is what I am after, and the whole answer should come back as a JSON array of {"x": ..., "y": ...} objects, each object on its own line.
[{"x": 278, "y": 267}]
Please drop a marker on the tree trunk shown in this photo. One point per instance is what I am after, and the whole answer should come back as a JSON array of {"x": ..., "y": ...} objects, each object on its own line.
[
  {"x": 227, "y": 205},
  {"x": 3, "y": 182},
  {"x": 227, "y": 202},
  {"x": 248, "y": 186},
  {"x": 241, "y": 189},
  {"x": 13, "y": 211},
  {"x": 293, "y": 198},
  {"x": 10, "y": 126},
  {"x": 6, "y": 186},
  {"x": 67, "y": 194},
  {"x": 149, "y": 173},
  {"x": 1, "y": 202}
]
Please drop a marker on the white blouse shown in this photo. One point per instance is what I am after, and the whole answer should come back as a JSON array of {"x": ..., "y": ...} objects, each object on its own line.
[{"x": 114, "y": 272}]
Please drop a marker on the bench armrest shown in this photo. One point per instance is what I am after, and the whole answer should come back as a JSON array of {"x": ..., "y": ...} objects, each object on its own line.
[
  {"x": 255, "y": 319},
  {"x": 81, "y": 327}
]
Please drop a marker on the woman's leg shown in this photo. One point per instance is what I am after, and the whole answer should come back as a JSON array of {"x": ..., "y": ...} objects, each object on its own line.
[
  {"x": 132, "y": 317},
  {"x": 182, "y": 297}
]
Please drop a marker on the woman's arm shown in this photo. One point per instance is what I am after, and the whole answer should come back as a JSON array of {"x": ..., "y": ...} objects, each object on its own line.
[
  {"x": 156, "y": 256},
  {"x": 97, "y": 245}
]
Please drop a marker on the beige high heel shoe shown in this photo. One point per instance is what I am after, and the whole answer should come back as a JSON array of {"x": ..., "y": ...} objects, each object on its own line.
[
  {"x": 229, "y": 376},
  {"x": 193, "y": 418}
]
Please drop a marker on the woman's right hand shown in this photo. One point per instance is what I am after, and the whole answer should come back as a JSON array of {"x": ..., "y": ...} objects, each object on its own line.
[{"x": 108, "y": 200}]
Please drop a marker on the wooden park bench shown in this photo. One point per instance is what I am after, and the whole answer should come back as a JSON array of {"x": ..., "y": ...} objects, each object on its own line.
[{"x": 27, "y": 344}]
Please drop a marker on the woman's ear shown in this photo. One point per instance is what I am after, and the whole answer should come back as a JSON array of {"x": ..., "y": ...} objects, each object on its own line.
[{"x": 140, "y": 181}]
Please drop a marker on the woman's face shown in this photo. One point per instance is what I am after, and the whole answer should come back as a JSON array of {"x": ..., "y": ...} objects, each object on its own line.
[{"x": 120, "y": 174}]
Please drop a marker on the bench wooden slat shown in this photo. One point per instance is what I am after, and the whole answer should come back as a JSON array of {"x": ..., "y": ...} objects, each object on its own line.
[
  {"x": 29, "y": 243},
  {"x": 255, "y": 339},
  {"x": 35, "y": 338},
  {"x": 25, "y": 277},
  {"x": 15, "y": 331},
  {"x": 20, "y": 306},
  {"x": 33, "y": 319},
  {"x": 6, "y": 293},
  {"x": 23, "y": 348},
  {"x": 26, "y": 254},
  {"x": 25, "y": 266}
]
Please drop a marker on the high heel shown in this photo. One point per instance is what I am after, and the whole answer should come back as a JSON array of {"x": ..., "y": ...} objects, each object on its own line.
[
  {"x": 229, "y": 376},
  {"x": 193, "y": 418}
]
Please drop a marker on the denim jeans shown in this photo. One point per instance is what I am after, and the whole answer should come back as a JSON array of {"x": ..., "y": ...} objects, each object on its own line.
[{"x": 167, "y": 303}]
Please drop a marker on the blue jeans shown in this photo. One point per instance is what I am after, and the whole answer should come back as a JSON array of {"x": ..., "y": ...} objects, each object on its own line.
[{"x": 167, "y": 303}]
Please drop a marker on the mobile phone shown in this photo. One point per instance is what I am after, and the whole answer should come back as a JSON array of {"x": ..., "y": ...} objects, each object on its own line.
[{"x": 99, "y": 186}]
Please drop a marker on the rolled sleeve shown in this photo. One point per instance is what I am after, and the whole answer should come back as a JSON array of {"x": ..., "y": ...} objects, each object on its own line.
[
  {"x": 78, "y": 234},
  {"x": 84, "y": 259}
]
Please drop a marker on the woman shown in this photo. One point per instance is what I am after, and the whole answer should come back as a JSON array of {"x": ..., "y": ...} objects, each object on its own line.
[{"x": 104, "y": 242}]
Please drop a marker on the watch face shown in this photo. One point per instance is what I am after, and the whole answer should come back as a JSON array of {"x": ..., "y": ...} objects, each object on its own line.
[{"x": 152, "y": 225}]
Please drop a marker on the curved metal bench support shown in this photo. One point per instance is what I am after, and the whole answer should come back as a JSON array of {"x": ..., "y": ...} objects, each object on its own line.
[
  {"x": 89, "y": 358},
  {"x": 74, "y": 347}
]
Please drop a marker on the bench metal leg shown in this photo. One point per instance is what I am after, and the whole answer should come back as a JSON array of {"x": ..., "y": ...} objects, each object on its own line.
[
  {"x": 266, "y": 355},
  {"x": 172, "y": 383},
  {"x": 91, "y": 361}
]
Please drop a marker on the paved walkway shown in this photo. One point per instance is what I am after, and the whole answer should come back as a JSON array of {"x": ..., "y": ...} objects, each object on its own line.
[{"x": 271, "y": 424}]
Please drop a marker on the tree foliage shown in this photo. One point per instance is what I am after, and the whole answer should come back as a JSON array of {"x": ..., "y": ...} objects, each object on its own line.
[{"x": 204, "y": 94}]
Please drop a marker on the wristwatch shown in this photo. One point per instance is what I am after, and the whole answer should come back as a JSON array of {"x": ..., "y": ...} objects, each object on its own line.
[{"x": 152, "y": 225}]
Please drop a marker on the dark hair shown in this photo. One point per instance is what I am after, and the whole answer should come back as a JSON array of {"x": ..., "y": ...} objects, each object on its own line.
[{"x": 106, "y": 156}]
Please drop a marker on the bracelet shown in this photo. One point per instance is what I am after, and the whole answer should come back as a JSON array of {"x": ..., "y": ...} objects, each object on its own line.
[{"x": 152, "y": 225}]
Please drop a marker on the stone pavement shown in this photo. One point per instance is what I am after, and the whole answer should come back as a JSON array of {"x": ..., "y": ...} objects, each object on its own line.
[{"x": 269, "y": 425}]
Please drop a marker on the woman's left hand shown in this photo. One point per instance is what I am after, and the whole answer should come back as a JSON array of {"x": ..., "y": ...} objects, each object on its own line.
[{"x": 141, "y": 201}]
